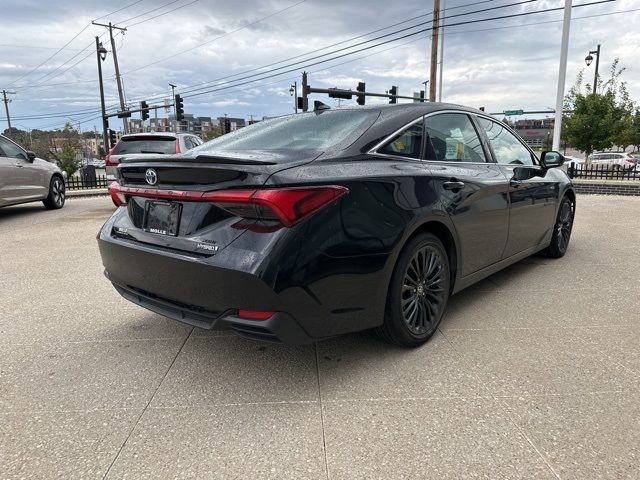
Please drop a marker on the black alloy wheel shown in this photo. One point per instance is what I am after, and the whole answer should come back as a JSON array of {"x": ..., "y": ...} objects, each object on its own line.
[
  {"x": 418, "y": 292},
  {"x": 561, "y": 230},
  {"x": 56, "y": 196}
]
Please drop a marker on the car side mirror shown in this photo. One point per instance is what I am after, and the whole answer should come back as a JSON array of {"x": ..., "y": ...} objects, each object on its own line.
[
  {"x": 31, "y": 155},
  {"x": 551, "y": 159}
]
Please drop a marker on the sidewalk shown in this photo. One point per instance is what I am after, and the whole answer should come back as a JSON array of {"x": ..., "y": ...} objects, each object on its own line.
[{"x": 86, "y": 192}]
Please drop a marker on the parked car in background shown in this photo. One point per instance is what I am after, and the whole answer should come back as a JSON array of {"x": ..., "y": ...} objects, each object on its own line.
[
  {"x": 613, "y": 161},
  {"x": 575, "y": 161},
  {"x": 148, "y": 144},
  {"x": 26, "y": 178},
  {"x": 327, "y": 222}
]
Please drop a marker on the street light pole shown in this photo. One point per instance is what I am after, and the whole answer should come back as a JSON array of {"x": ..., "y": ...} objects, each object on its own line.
[
  {"x": 562, "y": 74},
  {"x": 588, "y": 59},
  {"x": 294, "y": 92},
  {"x": 101, "y": 54}
]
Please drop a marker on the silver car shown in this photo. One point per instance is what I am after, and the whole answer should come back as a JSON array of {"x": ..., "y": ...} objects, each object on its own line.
[
  {"x": 148, "y": 144},
  {"x": 25, "y": 178}
]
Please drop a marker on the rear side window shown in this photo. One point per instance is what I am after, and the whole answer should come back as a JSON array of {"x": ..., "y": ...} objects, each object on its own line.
[
  {"x": 506, "y": 146},
  {"x": 159, "y": 145},
  {"x": 407, "y": 143},
  {"x": 451, "y": 137}
]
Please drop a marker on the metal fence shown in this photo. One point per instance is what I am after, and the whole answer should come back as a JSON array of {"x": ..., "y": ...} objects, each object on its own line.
[
  {"x": 80, "y": 183},
  {"x": 604, "y": 172}
]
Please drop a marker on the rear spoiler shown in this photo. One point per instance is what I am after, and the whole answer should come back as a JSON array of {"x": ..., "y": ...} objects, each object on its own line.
[{"x": 219, "y": 159}]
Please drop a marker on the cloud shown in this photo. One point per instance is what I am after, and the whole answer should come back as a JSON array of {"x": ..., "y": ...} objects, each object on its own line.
[
  {"x": 230, "y": 102},
  {"x": 485, "y": 64}
]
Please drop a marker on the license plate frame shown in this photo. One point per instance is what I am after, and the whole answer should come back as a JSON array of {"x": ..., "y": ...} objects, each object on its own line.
[{"x": 162, "y": 217}]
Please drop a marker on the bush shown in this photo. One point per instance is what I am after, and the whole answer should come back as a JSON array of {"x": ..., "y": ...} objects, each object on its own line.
[{"x": 67, "y": 160}]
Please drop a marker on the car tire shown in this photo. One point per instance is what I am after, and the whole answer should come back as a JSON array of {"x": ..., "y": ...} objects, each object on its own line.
[
  {"x": 56, "y": 197},
  {"x": 418, "y": 292},
  {"x": 561, "y": 230}
]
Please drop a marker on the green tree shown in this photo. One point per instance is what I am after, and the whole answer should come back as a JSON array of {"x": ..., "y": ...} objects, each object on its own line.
[
  {"x": 215, "y": 132},
  {"x": 597, "y": 119},
  {"x": 67, "y": 159}
]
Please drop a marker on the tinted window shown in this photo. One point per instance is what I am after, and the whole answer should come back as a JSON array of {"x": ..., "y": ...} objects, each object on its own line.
[
  {"x": 451, "y": 137},
  {"x": 161, "y": 145},
  {"x": 313, "y": 130},
  {"x": 11, "y": 150},
  {"x": 506, "y": 146},
  {"x": 407, "y": 143}
]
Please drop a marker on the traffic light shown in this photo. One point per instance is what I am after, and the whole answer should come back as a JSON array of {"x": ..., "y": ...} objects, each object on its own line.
[
  {"x": 360, "y": 88},
  {"x": 227, "y": 125},
  {"x": 179, "y": 108},
  {"x": 144, "y": 107},
  {"x": 303, "y": 104},
  {"x": 393, "y": 91},
  {"x": 112, "y": 138}
]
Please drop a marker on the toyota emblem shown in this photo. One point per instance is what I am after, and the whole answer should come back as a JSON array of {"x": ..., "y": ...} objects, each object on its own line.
[{"x": 151, "y": 176}]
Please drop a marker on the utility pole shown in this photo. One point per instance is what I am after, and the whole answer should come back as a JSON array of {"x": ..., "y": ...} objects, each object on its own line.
[
  {"x": 6, "y": 105},
  {"x": 444, "y": 2},
  {"x": 115, "y": 63},
  {"x": 434, "y": 50},
  {"x": 566, "y": 24}
]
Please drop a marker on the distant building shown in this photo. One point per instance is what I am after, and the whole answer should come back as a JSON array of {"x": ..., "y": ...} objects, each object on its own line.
[
  {"x": 235, "y": 123},
  {"x": 536, "y": 133}
]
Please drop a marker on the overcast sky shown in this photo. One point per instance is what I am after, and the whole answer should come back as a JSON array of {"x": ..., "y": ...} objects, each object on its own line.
[{"x": 500, "y": 64}]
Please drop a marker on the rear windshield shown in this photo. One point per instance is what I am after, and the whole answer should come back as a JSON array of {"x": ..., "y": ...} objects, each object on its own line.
[
  {"x": 159, "y": 145},
  {"x": 308, "y": 131}
]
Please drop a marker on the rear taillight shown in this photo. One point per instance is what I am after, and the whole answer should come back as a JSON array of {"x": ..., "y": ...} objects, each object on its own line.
[
  {"x": 255, "y": 314},
  {"x": 108, "y": 162},
  {"x": 114, "y": 192},
  {"x": 177, "y": 145},
  {"x": 286, "y": 205}
]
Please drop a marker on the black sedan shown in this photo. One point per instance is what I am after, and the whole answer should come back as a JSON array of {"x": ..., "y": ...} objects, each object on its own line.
[{"x": 318, "y": 224}]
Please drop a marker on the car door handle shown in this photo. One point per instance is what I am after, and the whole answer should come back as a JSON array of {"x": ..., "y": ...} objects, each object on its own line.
[
  {"x": 19, "y": 166},
  {"x": 453, "y": 185},
  {"x": 515, "y": 183}
]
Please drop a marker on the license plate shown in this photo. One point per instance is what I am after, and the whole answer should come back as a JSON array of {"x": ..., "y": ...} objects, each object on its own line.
[{"x": 162, "y": 218}]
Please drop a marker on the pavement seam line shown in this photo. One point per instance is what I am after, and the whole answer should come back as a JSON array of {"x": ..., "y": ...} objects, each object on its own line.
[
  {"x": 505, "y": 410},
  {"x": 324, "y": 440},
  {"x": 147, "y": 405}
]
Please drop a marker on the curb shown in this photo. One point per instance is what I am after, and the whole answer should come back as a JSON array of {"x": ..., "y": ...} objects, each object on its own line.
[{"x": 93, "y": 192}]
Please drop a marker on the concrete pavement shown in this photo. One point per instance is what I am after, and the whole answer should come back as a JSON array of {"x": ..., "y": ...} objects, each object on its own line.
[{"x": 535, "y": 373}]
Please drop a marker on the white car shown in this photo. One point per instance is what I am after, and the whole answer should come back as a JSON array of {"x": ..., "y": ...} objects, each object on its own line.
[
  {"x": 575, "y": 161},
  {"x": 149, "y": 145},
  {"x": 613, "y": 161}
]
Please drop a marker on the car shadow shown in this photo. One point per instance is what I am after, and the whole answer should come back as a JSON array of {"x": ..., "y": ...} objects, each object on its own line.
[{"x": 21, "y": 210}]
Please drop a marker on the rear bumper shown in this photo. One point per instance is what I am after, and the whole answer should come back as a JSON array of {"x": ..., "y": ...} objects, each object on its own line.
[
  {"x": 280, "y": 328},
  {"x": 193, "y": 291}
]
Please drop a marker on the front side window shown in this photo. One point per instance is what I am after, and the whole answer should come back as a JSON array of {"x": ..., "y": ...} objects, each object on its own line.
[
  {"x": 11, "y": 150},
  {"x": 506, "y": 146},
  {"x": 451, "y": 137},
  {"x": 407, "y": 143}
]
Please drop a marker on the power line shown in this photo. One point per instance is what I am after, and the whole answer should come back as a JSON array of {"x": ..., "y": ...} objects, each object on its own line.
[
  {"x": 148, "y": 11},
  {"x": 214, "y": 39},
  {"x": 195, "y": 88},
  {"x": 65, "y": 45},
  {"x": 191, "y": 90},
  {"x": 190, "y": 94},
  {"x": 162, "y": 14}
]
